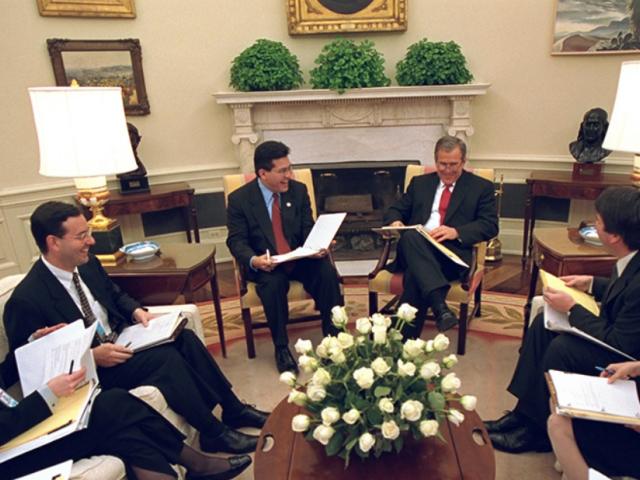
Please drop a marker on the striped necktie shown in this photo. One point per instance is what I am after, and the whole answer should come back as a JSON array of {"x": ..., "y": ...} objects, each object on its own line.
[{"x": 88, "y": 314}]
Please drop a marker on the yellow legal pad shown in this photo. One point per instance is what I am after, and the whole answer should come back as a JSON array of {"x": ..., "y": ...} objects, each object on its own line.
[{"x": 584, "y": 299}]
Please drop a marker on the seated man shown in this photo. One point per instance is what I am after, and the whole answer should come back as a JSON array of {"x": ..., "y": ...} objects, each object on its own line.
[
  {"x": 618, "y": 226},
  {"x": 459, "y": 210},
  {"x": 68, "y": 283},
  {"x": 272, "y": 214}
]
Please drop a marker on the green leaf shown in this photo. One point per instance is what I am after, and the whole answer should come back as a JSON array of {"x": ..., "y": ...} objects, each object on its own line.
[
  {"x": 436, "y": 400},
  {"x": 381, "y": 391},
  {"x": 335, "y": 444}
]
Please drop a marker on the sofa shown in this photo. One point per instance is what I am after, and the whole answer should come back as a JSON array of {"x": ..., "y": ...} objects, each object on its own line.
[{"x": 106, "y": 467}]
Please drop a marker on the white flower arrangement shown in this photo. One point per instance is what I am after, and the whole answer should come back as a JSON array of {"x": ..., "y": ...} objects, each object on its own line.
[{"x": 369, "y": 387}]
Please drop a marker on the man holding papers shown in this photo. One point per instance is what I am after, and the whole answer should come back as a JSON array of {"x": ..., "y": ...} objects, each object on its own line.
[
  {"x": 458, "y": 209},
  {"x": 272, "y": 215},
  {"x": 617, "y": 325},
  {"x": 67, "y": 283}
]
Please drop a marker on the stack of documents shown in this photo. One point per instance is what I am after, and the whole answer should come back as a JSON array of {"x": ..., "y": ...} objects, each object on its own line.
[{"x": 161, "y": 330}]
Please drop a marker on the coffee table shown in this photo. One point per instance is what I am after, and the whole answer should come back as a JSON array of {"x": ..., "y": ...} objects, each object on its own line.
[
  {"x": 179, "y": 269},
  {"x": 294, "y": 458}
]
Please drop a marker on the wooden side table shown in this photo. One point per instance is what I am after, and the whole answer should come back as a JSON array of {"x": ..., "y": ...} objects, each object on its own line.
[
  {"x": 561, "y": 185},
  {"x": 561, "y": 251},
  {"x": 294, "y": 458},
  {"x": 179, "y": 269},
  {"x": 161, "y": 197}
]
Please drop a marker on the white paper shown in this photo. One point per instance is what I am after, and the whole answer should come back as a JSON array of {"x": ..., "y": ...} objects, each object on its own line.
[
  {"x": 596, "y": 475},
  {"x": 159, "y": 330},
  {"x": 49, "y": 356},
  {"x": 319, "y": 238},
  {"x": 61, "y": 471}
]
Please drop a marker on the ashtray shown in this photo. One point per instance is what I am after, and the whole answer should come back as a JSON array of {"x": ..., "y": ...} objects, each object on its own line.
[
  {"x": 590, "y": 235},
  {"x": 141, "y": 251}
]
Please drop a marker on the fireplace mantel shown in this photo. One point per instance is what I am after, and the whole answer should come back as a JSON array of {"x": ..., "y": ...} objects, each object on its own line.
[{"x": 448, "y": 106}]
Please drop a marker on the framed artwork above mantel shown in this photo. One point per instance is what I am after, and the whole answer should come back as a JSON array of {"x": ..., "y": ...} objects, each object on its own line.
[
  {"x": 87, "y": 8},
  {"x": 345, "y": 16}
]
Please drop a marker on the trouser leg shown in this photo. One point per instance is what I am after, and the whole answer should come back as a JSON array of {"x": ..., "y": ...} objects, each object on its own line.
[{"x": 272, "y": 288}]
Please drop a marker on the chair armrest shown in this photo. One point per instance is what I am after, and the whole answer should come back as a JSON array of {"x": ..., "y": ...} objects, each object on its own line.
[
  {"x": 384, "y": 256},
  {"x": 466, "y": 282}
]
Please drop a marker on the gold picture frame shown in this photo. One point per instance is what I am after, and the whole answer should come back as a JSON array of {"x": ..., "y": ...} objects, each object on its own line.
[
  {"x": 87, "y": 8},
  {"x": 346, "y": 16}
]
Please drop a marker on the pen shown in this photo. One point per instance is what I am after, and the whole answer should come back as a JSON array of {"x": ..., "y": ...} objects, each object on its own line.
[
  {"x": 268, "y": 255},
  {"x": 608, "y": 371},
  {"x": 60, "y": 427},
  {"x": 127, "y": 345},
  {"x": 71, "y": 368}
]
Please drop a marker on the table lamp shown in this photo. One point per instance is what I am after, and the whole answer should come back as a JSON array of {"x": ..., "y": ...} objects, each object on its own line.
[
  {"x": 82, "y": 134},
  {"x": 624, "y": 128}
]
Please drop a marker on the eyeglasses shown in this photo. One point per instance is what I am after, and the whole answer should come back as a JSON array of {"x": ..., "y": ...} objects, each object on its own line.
[
  {"x": 83, "y": 236},
  {"x": 282, "y": 171}
]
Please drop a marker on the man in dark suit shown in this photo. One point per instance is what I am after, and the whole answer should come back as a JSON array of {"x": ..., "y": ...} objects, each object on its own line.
[
  {"x": 272, "y": 214},
  {"x": 68, "y": 283},
  {"x": 120, "y": 425},
  {"x": 618, "y": 226},
  {"x": 458, "y": 209}
]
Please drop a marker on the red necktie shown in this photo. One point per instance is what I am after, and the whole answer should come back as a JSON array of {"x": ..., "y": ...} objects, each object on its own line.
[
  {"x": 444, "y": 202},
  {"x": 276, "y": 222}
]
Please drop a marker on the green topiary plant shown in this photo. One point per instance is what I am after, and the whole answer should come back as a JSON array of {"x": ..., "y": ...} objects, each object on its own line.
[
  {"x": 344, "y": 64},
  {"x": 266, "y": 65},
  {"x": 433, "y": 63}
]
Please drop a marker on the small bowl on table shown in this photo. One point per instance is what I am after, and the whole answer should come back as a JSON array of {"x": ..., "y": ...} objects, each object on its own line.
[
  {"x": 590, "y": 235},
  {"x": 141, "y": 251}
]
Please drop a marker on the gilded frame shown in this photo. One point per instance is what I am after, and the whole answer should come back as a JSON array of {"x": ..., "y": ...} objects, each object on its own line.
[
  {"x": 102, "y": 63},
  {"x": 346, "y": 16},
  {"x": 87, "y": 8}
]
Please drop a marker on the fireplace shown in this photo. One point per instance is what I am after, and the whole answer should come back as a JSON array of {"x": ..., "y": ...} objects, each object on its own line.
[{"x": 364, "y": 190}]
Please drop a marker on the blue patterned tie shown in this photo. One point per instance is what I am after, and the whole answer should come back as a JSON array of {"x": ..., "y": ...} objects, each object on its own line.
[{"x": 7, "y": 399}]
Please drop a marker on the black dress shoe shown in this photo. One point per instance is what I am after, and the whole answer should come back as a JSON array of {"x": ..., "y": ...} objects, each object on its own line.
[
  {"x": 229, "y": 441},
  {"x": 509, "y": 421},
  {"x": 237, "y": 465},
  {"x": 285, "y": 361},
  {"x": 249, "y": 416},
  {"x": 522, "y": 439},
  {"x": 445, "y": 320}
]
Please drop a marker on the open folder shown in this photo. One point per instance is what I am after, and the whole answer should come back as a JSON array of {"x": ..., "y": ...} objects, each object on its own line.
[
  {"x": 161, "y": 330},
  {"x": 319, "y": 238}
]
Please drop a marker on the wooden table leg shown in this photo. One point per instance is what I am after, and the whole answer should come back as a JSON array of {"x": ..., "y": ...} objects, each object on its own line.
[
  {"x": 215, "y": 293},
  {"x": 527, "y": 219},
  {"x": 532, "y": 291}
]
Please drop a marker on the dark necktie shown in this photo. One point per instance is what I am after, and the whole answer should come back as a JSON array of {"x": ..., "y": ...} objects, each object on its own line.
[
  {"x": 276, "y": 222},
  {"x": 612, "y": 281},
  {"x": 7, "y": 399},
  {"x": 444, "y": 202},
  {"x": 88, "y": 314}
]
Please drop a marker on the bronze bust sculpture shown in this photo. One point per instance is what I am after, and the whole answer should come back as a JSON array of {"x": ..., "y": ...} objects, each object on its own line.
[
  {"x": 588, "y": 147},
  {"x": 135, "y": 181}
]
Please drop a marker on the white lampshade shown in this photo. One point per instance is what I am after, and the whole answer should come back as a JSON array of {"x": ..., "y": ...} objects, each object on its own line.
[
  {"x": 82, "y": 131},
  {"x": 623, "y": 134}
]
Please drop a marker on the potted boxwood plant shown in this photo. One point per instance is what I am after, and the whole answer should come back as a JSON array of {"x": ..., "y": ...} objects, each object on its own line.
[{"x": 433, "y": 63}]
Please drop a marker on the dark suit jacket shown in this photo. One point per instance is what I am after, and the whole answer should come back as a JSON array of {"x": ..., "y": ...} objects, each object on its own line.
[
  {"x": 249, "y": 225},
  {"x": 619, "y": 320},
  {"x": 472, "y": 209},
  {"x": 29, "y": 412},
  {"x": 40, "y": 300}
]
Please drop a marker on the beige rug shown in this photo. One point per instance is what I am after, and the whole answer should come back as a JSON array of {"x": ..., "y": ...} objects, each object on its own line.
[{"x": 502, "y": 314}]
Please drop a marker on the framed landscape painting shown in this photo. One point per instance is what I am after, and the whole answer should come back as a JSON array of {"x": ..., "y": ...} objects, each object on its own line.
[
  {"x": 97, "y": 63},
  {"x": 596, "y": 27}
]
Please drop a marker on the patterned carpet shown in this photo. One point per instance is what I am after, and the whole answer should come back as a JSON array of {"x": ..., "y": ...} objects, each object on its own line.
[{"x": 502, "y": 314}]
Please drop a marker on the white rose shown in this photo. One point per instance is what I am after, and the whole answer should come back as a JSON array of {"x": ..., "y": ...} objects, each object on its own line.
[
  {"x": 385, "y": 405},
  {"x": 406, "y": 369},
  {"x": 363, "y": 325},
  {"x": 429, "y": 428},
  {"x": 300, "y": 423},
  {"x": 303, "y": 346},
  {"x": 450, "y": 383},
  {"x": 323, "y": 434},
  {"x": 450, "y": 360},
  {"x": 288, "y": 378},
  {"x": 366, "y": 442},
  {"x": 321, "y": 377},
  {"x": 411, "y": 410},
  {"x": 333, "y": 346},
  {"x": 455, "y": 416},
  {"x": 380, "y": 320},
  {"x": 316, "y": 393},
  {"x": 441, "y": 342},
  {"x": 406, "y": 312},
  {"x": 351, "y": 417},
  {"x": 380, "y": 366},
  {"x": 338, "y": 357},
  {"x": 360, "y": 340},
  {"x": 395, "y": 335},
  {"x": 379, "y": 334},
  {"x": 297, "y": 397},
  {"x": 339, "y": 316},
  {"x": 363, "y": 377},
  {"x": 469, "y": 402},
  {"x": 390, "y": 430},
  {"x": 429, "y": 346},
  {"x": 345, "y": 340},
  {"x": 330, "y": 415},
  {"x": 322, "y": 351},
  {"x": 429, "y": 370},
  {"x": 413, "y": 348},
  {"x": 307, "y": 364}
]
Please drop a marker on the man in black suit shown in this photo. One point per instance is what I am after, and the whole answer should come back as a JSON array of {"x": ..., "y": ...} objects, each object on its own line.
[
  {"x": 618, "y": 226},
  {"x": 255, "y": 232},
  {"x": 68, "y": 283},
  {"x": 458, "y": 209},
  {"x": 119, "y": 425}
]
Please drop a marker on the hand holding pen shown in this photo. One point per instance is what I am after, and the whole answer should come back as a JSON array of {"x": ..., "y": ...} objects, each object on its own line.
[
  {"x": 65, "y": 384},
  {"x": 621, "y": 370},
  {"x": 263, "y": 262}
]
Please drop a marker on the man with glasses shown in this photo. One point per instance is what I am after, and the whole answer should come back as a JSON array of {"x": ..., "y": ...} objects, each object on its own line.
[
  {"x": 68, "y": 283},
  {"x": 458, "y": 209},
  {"x": 272, "y": 215}
]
